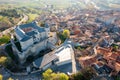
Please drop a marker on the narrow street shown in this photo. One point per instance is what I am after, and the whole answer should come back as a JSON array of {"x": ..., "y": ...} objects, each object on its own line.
[{"x": 25, "y": 18}]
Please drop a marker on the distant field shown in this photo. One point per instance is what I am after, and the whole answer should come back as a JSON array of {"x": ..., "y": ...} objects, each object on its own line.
[
  {"x": 32, "y": 17},
  {"x": 33, "y": 8},
  {"x": 115, "y": 5},
  {"x": 37, "y": 3},
  {"x": 9, "y": 13},
  {"x": 58, "y": 3},
  {"x": 28, "y": 7}
]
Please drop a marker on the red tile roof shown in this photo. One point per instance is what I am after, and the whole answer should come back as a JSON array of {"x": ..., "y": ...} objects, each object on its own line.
[
  {"x": 89, "y": 62},
  {"x": 99, "y": 63},
  {"x": 27, "y": 29}
]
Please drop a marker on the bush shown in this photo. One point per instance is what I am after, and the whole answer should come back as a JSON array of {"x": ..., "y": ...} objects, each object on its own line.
[
  {"x": 115, "y": 47},
  {"x": 5, "y": 61},
  {"x": 50, "y": 75},
  {"x": 10, "y": 78},
  {"x": 80, "y": 47},
  {"x": 1, "y": 77},
  {"x": 116, "y": 77},
  {"x": 77, "y": 76},
  {"x": 85, "y": 74},
  {"x": 4, "y": 39},
  {"x": 64, "y": 35}
]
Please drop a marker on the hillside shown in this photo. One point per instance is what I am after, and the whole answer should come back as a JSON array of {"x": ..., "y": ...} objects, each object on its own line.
[
  {"x": 33, "y": 7},
  {"x": 8, "y": 18},
  {"x": 97, "y": 4}
]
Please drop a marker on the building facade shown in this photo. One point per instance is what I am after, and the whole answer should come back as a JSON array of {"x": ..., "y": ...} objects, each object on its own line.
[
  {"x": 59, "y": 58},
  {"x": 32, "y": 39}
]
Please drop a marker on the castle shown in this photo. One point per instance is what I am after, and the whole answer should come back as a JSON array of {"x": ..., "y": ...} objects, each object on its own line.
[{"x": 32, "y": 39}]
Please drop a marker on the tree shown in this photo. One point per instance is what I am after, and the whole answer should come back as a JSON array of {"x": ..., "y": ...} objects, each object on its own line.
[
  {"x": 10, "y": 78},
  {"x": 5, "y": 61},
  {"x": 47, "y": 74},
  {"x": 4, "y": 39},
  {"x": 50, "y": 75},
  {"x": 88, "y": 73},
  {"x": 1, "y": 77},
  {"x": 77, "y": 76},
  {"x": 62, "y": 76},
  {"x": 116, "y": 77},
  {"x": 42, "y": 24},
  {"x": 115, "y": 47},
  {"x": 85, "y": 74},
  {"x": 66, "y": 33}
]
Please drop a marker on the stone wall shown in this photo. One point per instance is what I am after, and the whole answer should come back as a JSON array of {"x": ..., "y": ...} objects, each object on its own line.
[{"x": 33, "y": 50}]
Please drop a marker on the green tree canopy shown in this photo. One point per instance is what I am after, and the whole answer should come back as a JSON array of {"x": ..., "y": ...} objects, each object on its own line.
[
  {"x": 85, "y": 74},
  {"x": 4, "y": 39},
  {"x": 116, "y": 77},
  {"x": 1, "y": 77},
  {"x": 47, "y": 74},
  {"x": 66, "y": 33},
  {"x": 50, "y": 75},
  {"x": 42, "y": 24},
  {"x": 62, "y": 76},
  {"x": 10, "y": 78},
  {"x": 88, "y": 73},
  {"x": 77, "y": 76},
  {"x": 5, "y": 61}
]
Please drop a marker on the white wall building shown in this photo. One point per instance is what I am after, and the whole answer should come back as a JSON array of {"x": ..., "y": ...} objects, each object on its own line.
[
  {"x": 61, "y": 56},
  {"x": 29, "y": 34},
  {"x": 32, "y": 39}
]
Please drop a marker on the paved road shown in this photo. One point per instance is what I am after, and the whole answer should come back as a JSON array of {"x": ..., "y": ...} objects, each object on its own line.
[{"x": 25, "y": 18}]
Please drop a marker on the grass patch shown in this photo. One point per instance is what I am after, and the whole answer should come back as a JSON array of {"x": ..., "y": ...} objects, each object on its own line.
[
  {"x": 4, "y": 39},
  {"x": 32, "y": 17}
]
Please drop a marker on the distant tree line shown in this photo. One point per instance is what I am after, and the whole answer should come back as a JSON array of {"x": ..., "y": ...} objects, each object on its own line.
[
  {"x": 10, "y": 13},
  {"x": 27, "y": 10}
]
